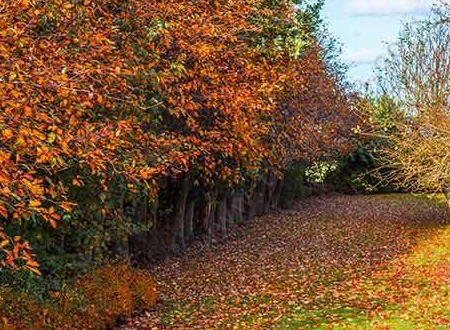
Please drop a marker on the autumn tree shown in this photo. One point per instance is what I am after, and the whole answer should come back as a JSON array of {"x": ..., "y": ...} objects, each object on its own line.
[{"x": 417, "y": 76}]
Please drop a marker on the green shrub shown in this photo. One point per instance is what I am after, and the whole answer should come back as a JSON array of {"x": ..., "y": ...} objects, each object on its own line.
[
  {"x": 295, "y": 184},
  {"x": 357, "y": 174}
]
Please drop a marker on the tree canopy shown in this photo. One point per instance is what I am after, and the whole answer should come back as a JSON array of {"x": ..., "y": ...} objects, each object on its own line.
[{"x": 100, "y": 92}]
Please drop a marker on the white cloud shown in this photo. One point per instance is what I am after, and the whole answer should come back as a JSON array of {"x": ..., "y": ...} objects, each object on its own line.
[
  {"x": 388, "y": 7},
  {"x": 364, "y": 56}
]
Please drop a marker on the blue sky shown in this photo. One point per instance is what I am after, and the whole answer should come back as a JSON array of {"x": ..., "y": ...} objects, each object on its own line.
[{"x": 365, "y": 26}]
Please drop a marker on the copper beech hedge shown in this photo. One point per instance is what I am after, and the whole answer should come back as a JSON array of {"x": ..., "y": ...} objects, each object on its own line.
[{"x": 143, "y": 92}]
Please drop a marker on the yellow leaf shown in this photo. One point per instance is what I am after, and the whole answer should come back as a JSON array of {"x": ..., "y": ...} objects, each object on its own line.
[
  {"x": 35, "y": 203},
  {"x": 51, "y": 137},
  {"x": 7, "y": 133},
  {"x": 24, "y": 3},
  {"x": 32, "y": 263}
]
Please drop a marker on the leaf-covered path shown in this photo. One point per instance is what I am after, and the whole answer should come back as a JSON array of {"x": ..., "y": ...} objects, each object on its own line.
[{"x": 368, "y": 262}]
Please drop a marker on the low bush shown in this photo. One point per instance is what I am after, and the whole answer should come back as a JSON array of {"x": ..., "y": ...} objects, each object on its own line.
[
  {"x": 92, "y": 302},
  {"x": 295, "y": 184},
  {"x": 358, "y": 173}
]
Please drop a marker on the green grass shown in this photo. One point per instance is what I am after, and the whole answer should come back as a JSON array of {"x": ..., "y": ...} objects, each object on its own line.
[{"x": 427, "y": 306}]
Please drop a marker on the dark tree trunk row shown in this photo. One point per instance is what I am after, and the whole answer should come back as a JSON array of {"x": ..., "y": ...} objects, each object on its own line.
[{"x": 188, "y": 212}]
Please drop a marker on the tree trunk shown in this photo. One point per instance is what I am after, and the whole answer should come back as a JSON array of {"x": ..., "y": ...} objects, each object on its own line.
[
  {"x": 277, "y": 194},
  {"x": 240, "y": 208},
  {"x": 205, "y": 216},
  {"x": 178, "y": 241},
  {"x": 257, "y": 198},
  {"x": 152, "y": 236},
  {"x": 221, "y": 216},
  {"x": 189, "y": 227},
  {"x": 270, "y": 191},
  {"x": 247, "y": 199},
  {"x": 233, "y": 210},
  {"x": 207, "y": 213},
  {"x": 446, "y": 191}
]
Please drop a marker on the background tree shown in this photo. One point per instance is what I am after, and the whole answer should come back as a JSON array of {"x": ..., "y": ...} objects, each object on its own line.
[{"x": 417, "y": 76}]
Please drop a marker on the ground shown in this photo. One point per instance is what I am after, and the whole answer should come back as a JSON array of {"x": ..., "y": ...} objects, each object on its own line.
[{"x": 339, "y": 262}]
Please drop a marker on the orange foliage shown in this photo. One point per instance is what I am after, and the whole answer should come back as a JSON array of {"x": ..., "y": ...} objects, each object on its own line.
[
  {"x": 315, "y": 114},
  {"x": 144, "y": 89},
  {"x": 95, "y": 302}
]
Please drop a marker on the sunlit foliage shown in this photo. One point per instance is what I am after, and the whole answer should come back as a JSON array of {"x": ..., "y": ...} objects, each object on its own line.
[{"x": 105, "y": 93}]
